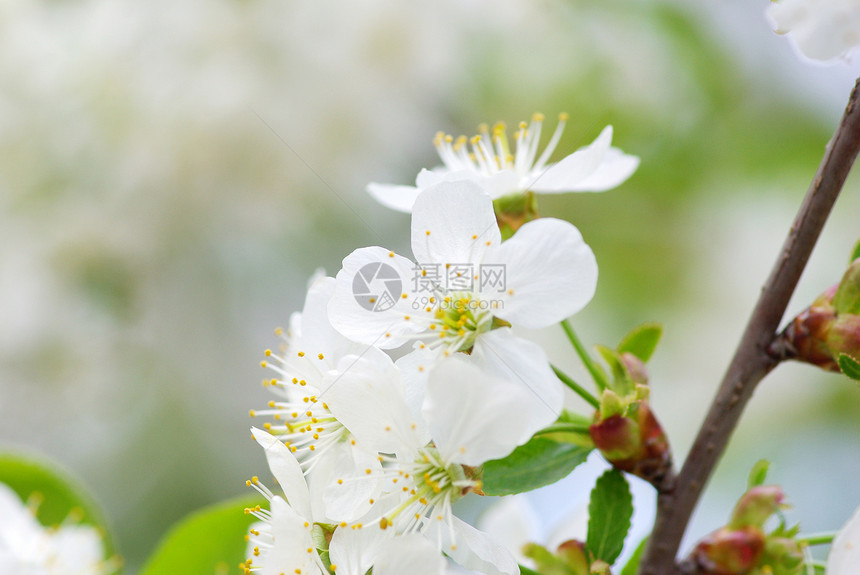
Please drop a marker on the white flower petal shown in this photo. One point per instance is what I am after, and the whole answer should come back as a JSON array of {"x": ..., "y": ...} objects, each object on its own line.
[
  {"x": 574, "y": 168},
  {"x": 398, "y": 198},
  {"x": 368, "y": 304},
  {"x": 495, "y": 185},
  {"x": 286, "y": 470},
  {"x": 544, "y": 290},
  {"x": 476, "y": 550},
  {"x": 453, "y": 222},
  {"x": 427, "y": 178},
  {"x": 473, "y": 416},
  {"x": 18, "y": 526},
  {"x": 506, "y": 356},
  {"x": 821, "y": 30},
  {"x": 292, "y": 539},
  {"x": 845, "y": 552},
  {"x": 316, "y": 334},
  {"x": 415, "y": 367},
  {"x": 511, "y": 521},
  {"x": 77, "y": 549},
  {"x": 354, "y": 551},
  {"x": 411, "y": 554},
  {"x": 612, "y": 172},
  {"x": 350, "y": 488},
  {"x": 368, "y": 398}
]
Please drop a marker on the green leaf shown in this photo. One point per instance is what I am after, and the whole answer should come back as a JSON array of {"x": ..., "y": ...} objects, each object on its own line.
[
  {"x": 642, "y": 340},
  {"x": 846, "y": 300},
  {"x": 609, "y": 513},
  {"x": 849, "y": 366},
  {"x": 539, "y": 462},
  {"x": 211, "y": 541},
  {"x": 856, "y": 252},
  {"x": 633, "y": 563},
  {"x": 58, "y": 492},
  {"x": 758, "y": 473}
]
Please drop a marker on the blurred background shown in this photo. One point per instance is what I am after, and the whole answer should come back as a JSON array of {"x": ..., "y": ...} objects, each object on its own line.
[{"x": 171, "y": 173}]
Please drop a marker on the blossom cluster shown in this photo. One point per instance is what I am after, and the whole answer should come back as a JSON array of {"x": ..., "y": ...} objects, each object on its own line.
[
  {"x": 30, "y": 548},
  {"x": 401, "y": 377}
]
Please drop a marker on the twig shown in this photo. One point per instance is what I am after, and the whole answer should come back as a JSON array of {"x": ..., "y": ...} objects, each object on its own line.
[{"x": 752, "y": 360}]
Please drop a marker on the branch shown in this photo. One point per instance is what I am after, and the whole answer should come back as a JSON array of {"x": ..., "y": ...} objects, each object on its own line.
[{"x": 752, "y": 361}]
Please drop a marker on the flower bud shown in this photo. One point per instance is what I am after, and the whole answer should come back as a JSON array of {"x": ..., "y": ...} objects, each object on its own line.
[
  {"x": 600, "y": 568},
  {"x": 547, "y": 563},
  {"x": 572, "y": 553},
  {"x": 634, "y": 443},
  {"x": 635, "y": 367},
  {"x": 756, "y": 506},
  {"x": 827, "y": 328},
  {"x": 729, "y": 552}
]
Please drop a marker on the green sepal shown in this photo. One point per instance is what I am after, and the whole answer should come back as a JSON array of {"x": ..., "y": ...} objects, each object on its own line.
[
  {"x": 609, "y": 513},
  {"x": 758, "y": 473},
  {"x": 622, "y": 383},
  {"x": 632, "y": 566},
  {"x": 855, "y": 253},
  {"x": 849, "y": 366},
  {"x": 56, "y": 490},
  {"x": 539, "y": 462},
  {"x": 642, "y": 340},
  {"x": 611, "y": 404},
  {"x": 211, "y": 540},
  {"x": 847, "y": 297}
]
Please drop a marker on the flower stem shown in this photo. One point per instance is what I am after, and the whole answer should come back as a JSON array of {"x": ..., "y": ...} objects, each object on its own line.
[
  {"x": 595, "y": 371},
  {"x": 567, "y": 427},
  {"x": 818, "y": 538},
  {"x": 580, "y": 391}
]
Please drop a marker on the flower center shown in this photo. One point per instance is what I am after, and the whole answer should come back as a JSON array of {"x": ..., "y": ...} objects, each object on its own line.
[
  {"x": 432, "y": 486},
  {"x": 460, "y": 317},
  {"x": 491, "y": 152}
]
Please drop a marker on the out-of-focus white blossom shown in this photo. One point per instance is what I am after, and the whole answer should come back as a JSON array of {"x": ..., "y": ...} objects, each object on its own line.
[
  {"x": 821, "y": 29},
  {"x": 29, "y": 548},
  {"x": 844, "y": 558}
]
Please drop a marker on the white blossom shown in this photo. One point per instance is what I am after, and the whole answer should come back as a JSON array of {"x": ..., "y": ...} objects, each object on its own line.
[
  {"x": 821, "y": 29},
  {"x": 286, "y": 538},
  {"x": 845, "y": 552},
  {"x": 312, "y": 349},
  {"x": 28, "y": 548},
  {"x": 444, "y": 303},
  {"x": 501, "y": 171},
  {"x": 470, "y": 416}
]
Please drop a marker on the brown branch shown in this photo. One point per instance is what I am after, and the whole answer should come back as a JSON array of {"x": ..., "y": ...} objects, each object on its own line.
[{"x": 752, "y": 360}]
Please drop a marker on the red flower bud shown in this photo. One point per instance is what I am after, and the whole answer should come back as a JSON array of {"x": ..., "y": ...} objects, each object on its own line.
[
  {"x": 635, "y": 443},
  {"x": 828, "y": 328},
  {"x": 729, "y": 552}
]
